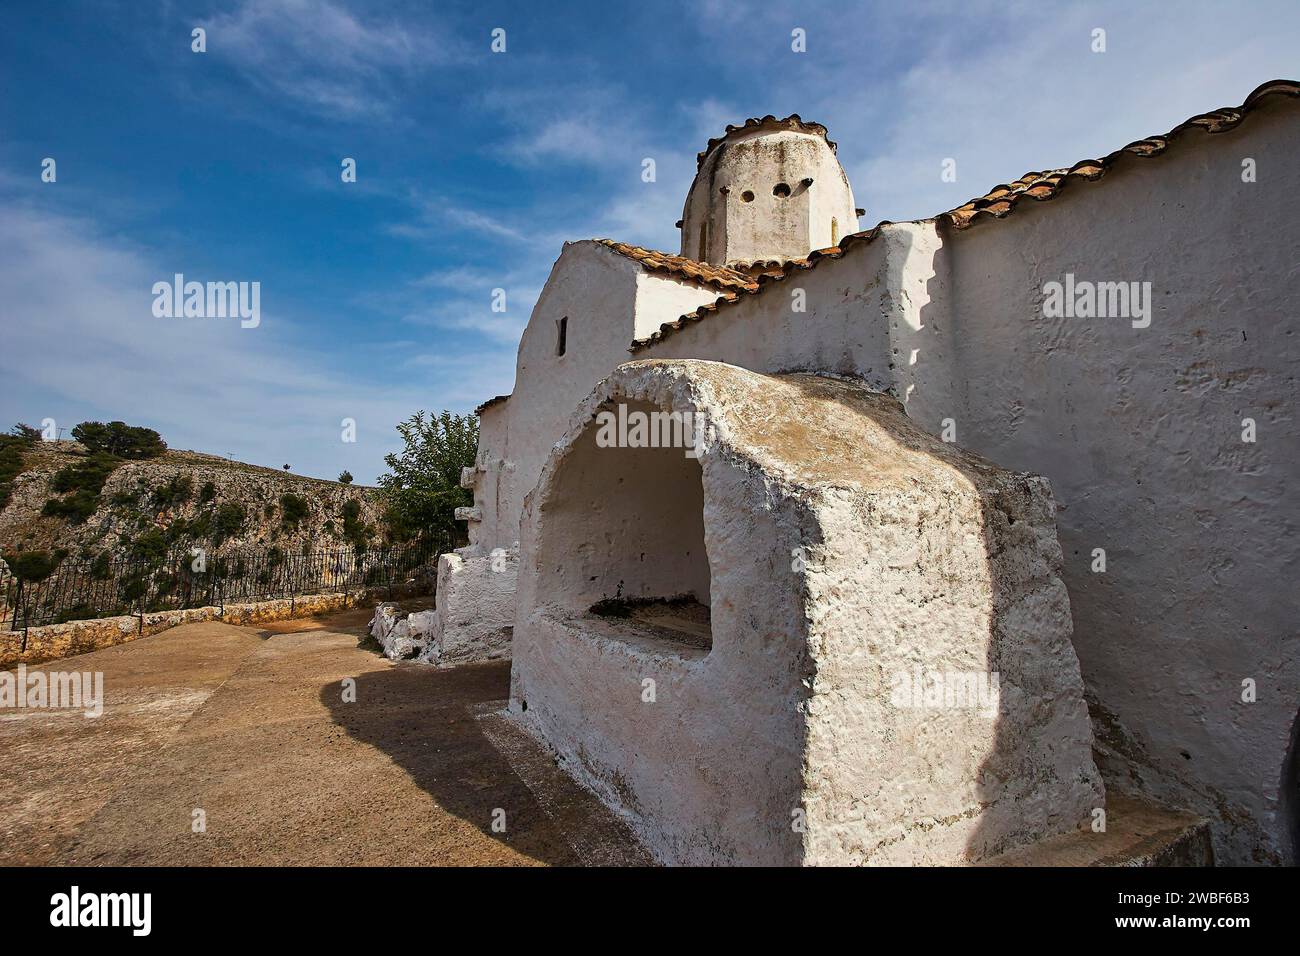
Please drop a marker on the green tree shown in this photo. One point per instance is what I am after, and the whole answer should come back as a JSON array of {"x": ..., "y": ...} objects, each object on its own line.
[
  {"x": 177, "y": 491},
  {"x": 12, "y": 446},
  {"x": 422, "y": 490},
  {"x": 120, "y": 439},
  {"x": 345, "y": 478}
]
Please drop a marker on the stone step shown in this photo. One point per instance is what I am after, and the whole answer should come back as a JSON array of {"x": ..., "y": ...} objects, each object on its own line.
[{"x": 1138, "y": 833}]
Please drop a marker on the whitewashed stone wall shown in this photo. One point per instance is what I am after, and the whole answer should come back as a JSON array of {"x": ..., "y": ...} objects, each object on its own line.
[
  {"x": 1138, "y": 429},
  {"x": 778, "y": 743}
]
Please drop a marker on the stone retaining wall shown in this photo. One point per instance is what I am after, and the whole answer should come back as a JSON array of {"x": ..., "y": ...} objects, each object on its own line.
[{"x": 55, "y": 641}]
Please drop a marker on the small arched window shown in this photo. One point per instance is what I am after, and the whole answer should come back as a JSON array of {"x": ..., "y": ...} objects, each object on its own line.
[
  {"x": 704, "y": 242},
  {"x": 781, "y": 190}
]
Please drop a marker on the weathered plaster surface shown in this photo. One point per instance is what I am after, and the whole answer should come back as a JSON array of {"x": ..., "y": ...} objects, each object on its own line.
[
  {"x": 721, "y": 225},
  {"x": 842, "y": 329},
  {"x": 402, "y": 636},
  {"x": 606, "y": 299},
  {"x": 476, "y": 605},
  {"x": 1139, "y": 430},
  {"x": 787, "y": 718}
]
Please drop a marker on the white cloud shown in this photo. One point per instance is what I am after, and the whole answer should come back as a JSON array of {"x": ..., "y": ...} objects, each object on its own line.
[
  {"x": 322, "y": 55},
  {"x": 432, "y": 216},
  {"x": 1006, "y": 88},
  {"x": 81, "y": 342}
]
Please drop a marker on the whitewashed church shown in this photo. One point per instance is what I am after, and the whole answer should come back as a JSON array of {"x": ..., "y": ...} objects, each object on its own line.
[{"x": 986, "y": 552}]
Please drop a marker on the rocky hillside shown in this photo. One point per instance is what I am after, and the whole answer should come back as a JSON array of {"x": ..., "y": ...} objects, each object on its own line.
[{"x": 75, "y": 505}]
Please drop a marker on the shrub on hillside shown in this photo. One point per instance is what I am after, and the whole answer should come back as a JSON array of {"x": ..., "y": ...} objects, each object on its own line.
[
  {"x": 356, "y": 532},
  {"x": 228, "y": 521},
  {"x": 101, "y": 566},
  {"x": 201, "y": 525},
  {"x": 150, "y": 548},
  {"x": 292, "y": 510},
  {"x": 33, "y": 565},
  {"x": 175, "y": 492},
  {"x": 81, "y": 483}
]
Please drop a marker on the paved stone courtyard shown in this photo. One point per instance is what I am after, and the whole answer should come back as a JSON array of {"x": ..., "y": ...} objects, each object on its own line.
[{"x": 249, "y": 725}]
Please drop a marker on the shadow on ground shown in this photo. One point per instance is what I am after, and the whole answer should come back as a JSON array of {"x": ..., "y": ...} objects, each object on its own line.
[{"x": 424, "y": 720}]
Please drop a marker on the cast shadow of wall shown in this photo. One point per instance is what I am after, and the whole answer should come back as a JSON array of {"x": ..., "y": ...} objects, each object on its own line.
[{"x": 424, "y": 720}]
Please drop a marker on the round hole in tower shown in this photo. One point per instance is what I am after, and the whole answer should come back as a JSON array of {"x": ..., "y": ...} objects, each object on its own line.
[
  {"x": 747, "y": 196},
  {"x": 781, "y": 189}
]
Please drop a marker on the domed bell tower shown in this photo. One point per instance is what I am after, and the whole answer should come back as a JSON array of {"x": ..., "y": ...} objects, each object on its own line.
[{"x": 769, "y": 189}]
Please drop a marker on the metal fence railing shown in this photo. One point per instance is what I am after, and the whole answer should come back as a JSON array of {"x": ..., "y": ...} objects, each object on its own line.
[{"x": 81, "y": 590}]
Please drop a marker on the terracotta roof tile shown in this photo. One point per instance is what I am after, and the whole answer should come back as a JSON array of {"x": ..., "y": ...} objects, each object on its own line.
[
  {"x": 762, "y": 281},
  {"x": 997, "y": 203},
  {"x": 720, "y": 277},
  {"x": 768, "y": 123},
  {"x": 1001, "y": 200},
  {"x": 490, "y": 402}
]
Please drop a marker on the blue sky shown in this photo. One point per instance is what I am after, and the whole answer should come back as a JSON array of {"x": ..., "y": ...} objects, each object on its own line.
[{"x": 473, "y": 168}]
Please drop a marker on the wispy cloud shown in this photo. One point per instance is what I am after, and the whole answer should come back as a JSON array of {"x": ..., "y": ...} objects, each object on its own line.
[
  {"x": 81, "y": 342},
  {"x": 324, "y": 56},
  {"x": 493, "y": 303},
  {"x": 431, "y": 217}
]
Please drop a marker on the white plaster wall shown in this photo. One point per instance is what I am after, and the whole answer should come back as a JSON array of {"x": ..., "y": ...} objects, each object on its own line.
[
  {"x": 659, "y": 299},
  {"x": 916, "y": 306},
  {"x": 648, "y": 504},
  {"x": 475, "y": 612},
  {"x": 1140, "y": 432},
  {"x": 955, "y": 575},
  {"x": 1138, "y": 429},
  {"x": 782, "y": 714},
  {"x": 493, "y": 485},
  {"x": 607, "y": 298},
  {"x": 596, "y": 289},
  {"x": 682, "y": 768},
  {"x": 769, "y": 226},
  {"x": 841, "y": 332}
]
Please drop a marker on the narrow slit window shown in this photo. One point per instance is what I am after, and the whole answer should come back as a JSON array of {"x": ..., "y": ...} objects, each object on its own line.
[
  {"x": 704, "y": 243},
  {"x": 561, "y": 335},
  {"x": 835, "y": 232}
]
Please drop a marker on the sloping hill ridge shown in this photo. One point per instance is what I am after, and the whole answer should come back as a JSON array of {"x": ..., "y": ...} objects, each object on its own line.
[{"x": 183, "y": 499}]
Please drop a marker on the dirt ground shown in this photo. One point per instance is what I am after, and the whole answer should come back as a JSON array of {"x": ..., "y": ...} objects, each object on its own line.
[{"x": 250, "y": 726}]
